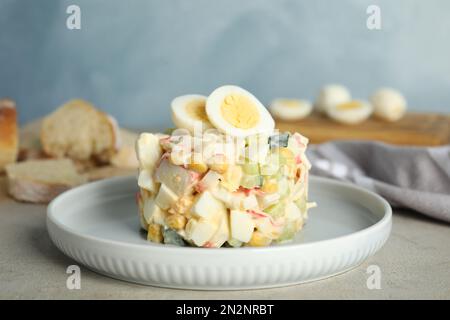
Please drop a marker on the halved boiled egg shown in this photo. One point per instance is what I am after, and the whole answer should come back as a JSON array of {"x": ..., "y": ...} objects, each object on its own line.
[
  {"x": 290, "y": 109},
  {"x": 188, "y": 112},
  {"x": 236, "y": 112},
  {"x": 331, "y": 95},
  {"x": 352, "y": 112}
]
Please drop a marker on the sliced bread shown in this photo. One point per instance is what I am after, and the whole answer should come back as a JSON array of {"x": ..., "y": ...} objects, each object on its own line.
[
  {"x": 40, "y": 181},
  {"x": 125, "y": 157},
  {"x": 79, "y": 131},
  {"x": 8, "y": 133}
]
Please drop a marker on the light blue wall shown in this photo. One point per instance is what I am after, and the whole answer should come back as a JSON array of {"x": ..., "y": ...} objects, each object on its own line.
[{"x": 132, "y": 57}]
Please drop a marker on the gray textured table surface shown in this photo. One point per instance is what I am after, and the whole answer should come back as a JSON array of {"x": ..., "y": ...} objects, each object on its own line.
[{"x": 414, "y": 263}]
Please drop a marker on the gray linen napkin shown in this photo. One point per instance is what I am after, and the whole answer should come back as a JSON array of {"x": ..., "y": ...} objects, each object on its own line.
[{"x": 411, "y": 177}]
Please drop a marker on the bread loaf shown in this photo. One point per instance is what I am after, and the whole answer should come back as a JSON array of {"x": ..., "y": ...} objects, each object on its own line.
[
  {"x": 79, "y": 131},
  {"x": 8, "y": 133}
]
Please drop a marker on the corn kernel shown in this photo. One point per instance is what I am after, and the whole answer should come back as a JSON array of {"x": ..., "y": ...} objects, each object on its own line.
[
  {"x": 176, "y": 221},
  {"x": 199, "y": 167},
  {"x": 219, "y": 167},
  {"x": 270, "y": 186},
  {"x": 286, "y": 153},
  {"x": 182, "y": 205},
  {"x": 259, "y": 240},
  {"x": 155, "y": 233}
]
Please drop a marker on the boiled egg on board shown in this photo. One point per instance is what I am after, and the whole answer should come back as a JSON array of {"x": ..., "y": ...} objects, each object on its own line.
[
  {"x": 351, "y": 112},
  {"x": 188, "y": 112},
  {"x": 389, "y": 104},
  {"x": 331, "y": 95},
  {"x": 290, "y": 109},
  {"x": 236, "y": 112}
]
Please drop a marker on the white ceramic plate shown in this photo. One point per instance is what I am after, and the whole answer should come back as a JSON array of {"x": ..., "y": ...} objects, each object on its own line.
[{"x": 97, "y": 225}]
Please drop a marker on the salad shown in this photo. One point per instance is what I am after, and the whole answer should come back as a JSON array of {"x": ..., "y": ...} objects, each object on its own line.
[{"x": 224, "y": 176}]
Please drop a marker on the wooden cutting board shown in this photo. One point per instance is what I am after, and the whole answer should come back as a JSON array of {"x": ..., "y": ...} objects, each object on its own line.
[{"x": 420, "y": 129}]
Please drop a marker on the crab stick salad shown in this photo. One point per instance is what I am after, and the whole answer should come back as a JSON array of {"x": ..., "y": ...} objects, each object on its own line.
[{"x": 224, "y": 176}]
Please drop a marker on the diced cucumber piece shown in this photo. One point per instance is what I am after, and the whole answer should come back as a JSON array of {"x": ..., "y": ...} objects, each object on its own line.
[
  {"x": 172, "y": 237},
  {"x": 288, "y": 233},
  {"x": 251, "y": 168},
  {"x": 269, "y": 169},
  {"x": 271, "y": 166},
  {"x": 279, "y": 140},
  {"x": 251, "y": 181},
  {"x": 234, "y": 243},
  {"x": 277, "y": 210}
]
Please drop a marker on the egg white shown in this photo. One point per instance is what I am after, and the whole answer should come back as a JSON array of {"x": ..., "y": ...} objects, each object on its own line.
[
  {"x": 351, "y": 116},
  {"x": 181, "y": 116},
  {"x": 331, "y": 95},
  {"x": 284, "y": 111}
]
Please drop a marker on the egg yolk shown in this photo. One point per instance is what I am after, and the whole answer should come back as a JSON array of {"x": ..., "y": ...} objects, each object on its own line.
[
  {"x": 290, "y": 103},
  {"x": 196, "y": 109},
  {"x": 349, "y": 105},
  {"x": 239, "y": 111}
]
